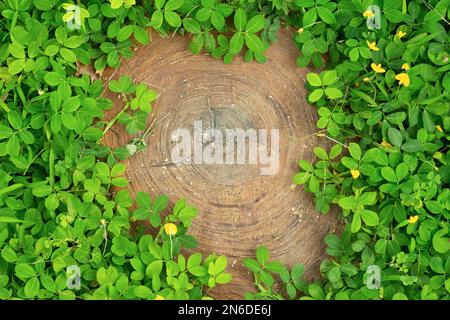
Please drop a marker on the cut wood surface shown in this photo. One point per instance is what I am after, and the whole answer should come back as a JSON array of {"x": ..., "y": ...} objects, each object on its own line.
[{"x": 240, "y": 209}]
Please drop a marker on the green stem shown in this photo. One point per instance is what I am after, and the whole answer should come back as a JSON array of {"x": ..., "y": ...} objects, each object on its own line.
[
  {"x": 51, "y": 160},
  {"x": 114, "y": 120}
]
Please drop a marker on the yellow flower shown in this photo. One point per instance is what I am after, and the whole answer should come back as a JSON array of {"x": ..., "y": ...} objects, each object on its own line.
[
  {"x": 366, "y": 79},
  {"x": 170, "y": 229},
  {"x": 373, "y": 46},
  {"x": 401, "y": 34},
  {"x": 355, "y": 173},
  {"x": 158, "y": 297},
  {"x": 413, "y": 219},
  {"x": 368, "y": 14},
  {"x": 377, "y": 68},
  {"x": 439, "y": 128},
  {"x": 405, "y": 66},
  {"x": 300, "y": 30},
  {"x": 386, "y": 144},
  {"x": 403, "y": 79}
]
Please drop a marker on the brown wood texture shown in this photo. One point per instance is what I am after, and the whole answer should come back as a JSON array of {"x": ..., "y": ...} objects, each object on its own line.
[{"x": 239, "y": 208}]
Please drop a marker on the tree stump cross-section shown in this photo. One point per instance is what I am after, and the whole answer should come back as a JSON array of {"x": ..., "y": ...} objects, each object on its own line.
[{"x": 239, "y": 207}]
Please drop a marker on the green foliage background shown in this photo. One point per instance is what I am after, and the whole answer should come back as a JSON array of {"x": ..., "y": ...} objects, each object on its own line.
[{"x": 388, "y": 171}]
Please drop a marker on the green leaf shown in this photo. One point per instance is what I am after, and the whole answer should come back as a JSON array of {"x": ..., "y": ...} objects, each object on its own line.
[
  {"x": 42, "y": 191},
  {"x": 314, "y": 79},
  {"x": 440, "y": 243},
  {"x": 326, "y": 15},
  {"x": 24, "y": 271},
  {"x": 141, "y": 35},
  {"x": 8, "y": 254},
  {"x": 6, "y": 219},
  {"x": 68, "y": 55},
  {"x": 389, "y": 174},
  {"x": 217, "y": 20},
  {"x": 32, "y": 287},
  {"x": 220, "y": 264},
  {"x": 262, "y": 255},
  {"x": 16, "y": 66},
  {"x": 370, "y": 218},
  {"x": 224, "y": 278},
  {"x": 275, "y": 266},
  {"x": 105, "y": 276},
  {"x": 412, "y": 146},
  {"x": 255, "y": 24},
  {"x": 266, "y": 278},
  {"x": 159, "y": 4},
  {"x": 194, "y": 260},
  {"x": 364, "y": 96},
  {"x": 395, "y": 137},
  {"x": 52, "y": 202},
  {"x": 333, "y": 93},
  {"x": 315, "y": 95},
  {"x": 328, "y": 77},
  {"x": 5, "y": 132},
  {"x": 356, "y": 222},
  {"x": 92, "y": 134},
  {"x": 236, "y": 43},
  {"x": 17, "y": 50},
  {"x": 320, "y": 153},
  {"x": 437, "y": 264},
  {"x": 310, "y": 17},
  {"x": 316, "y": 292},
  {"x": 334, "y": 274},
  {"x": 251, "y": 264},
  {"x": 142, "y": 292},
  {"x": 154, "y": 268},
  {"x": 157, "y": 19},
  {"x": 297, "y": 272},
  {"x": 160, "y": 203},
  {"x": 198, "y": 271},
  {"x": 291, "y": 291},
  {"x": 240, "y": 19},
  {"x": 173, "y": 4},
  {"x": 172, "y": 18},
  {"x": 428, "y": 122},
  {"x": 53, "y": 78},
  {"x": 254, "y": 43},
  {"x": 192, "y": 26},
  {"x": 355, "y": 151},
  {"x": 203, "y": 14}
]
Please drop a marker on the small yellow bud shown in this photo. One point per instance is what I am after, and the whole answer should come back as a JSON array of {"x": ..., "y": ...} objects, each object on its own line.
[
  {"x": 439, "y": 128},
  {"x": 368, "y": 14},
  {"x": 103, "y": 221},
  {"x": 158, "y": 297},
  {"x": 403, "y": 79},
  {"x": 405, "y": 66},
  {"x": 386, "y": 144},
  {"x": 401, "y": 34},
  {"x": 413, "y": 219},
  {"x": 373, "y": 46},
  {"x": 170, "y": 229},
  {"x": 377, "y": 68},
  {"x": 355, "y": 173},
  {"x": 300, "y": 30},
  {"x": 366, "y": 79}
]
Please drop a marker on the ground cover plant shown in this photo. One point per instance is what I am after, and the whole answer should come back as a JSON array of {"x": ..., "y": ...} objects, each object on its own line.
[{"x": 382, "y": 99}]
